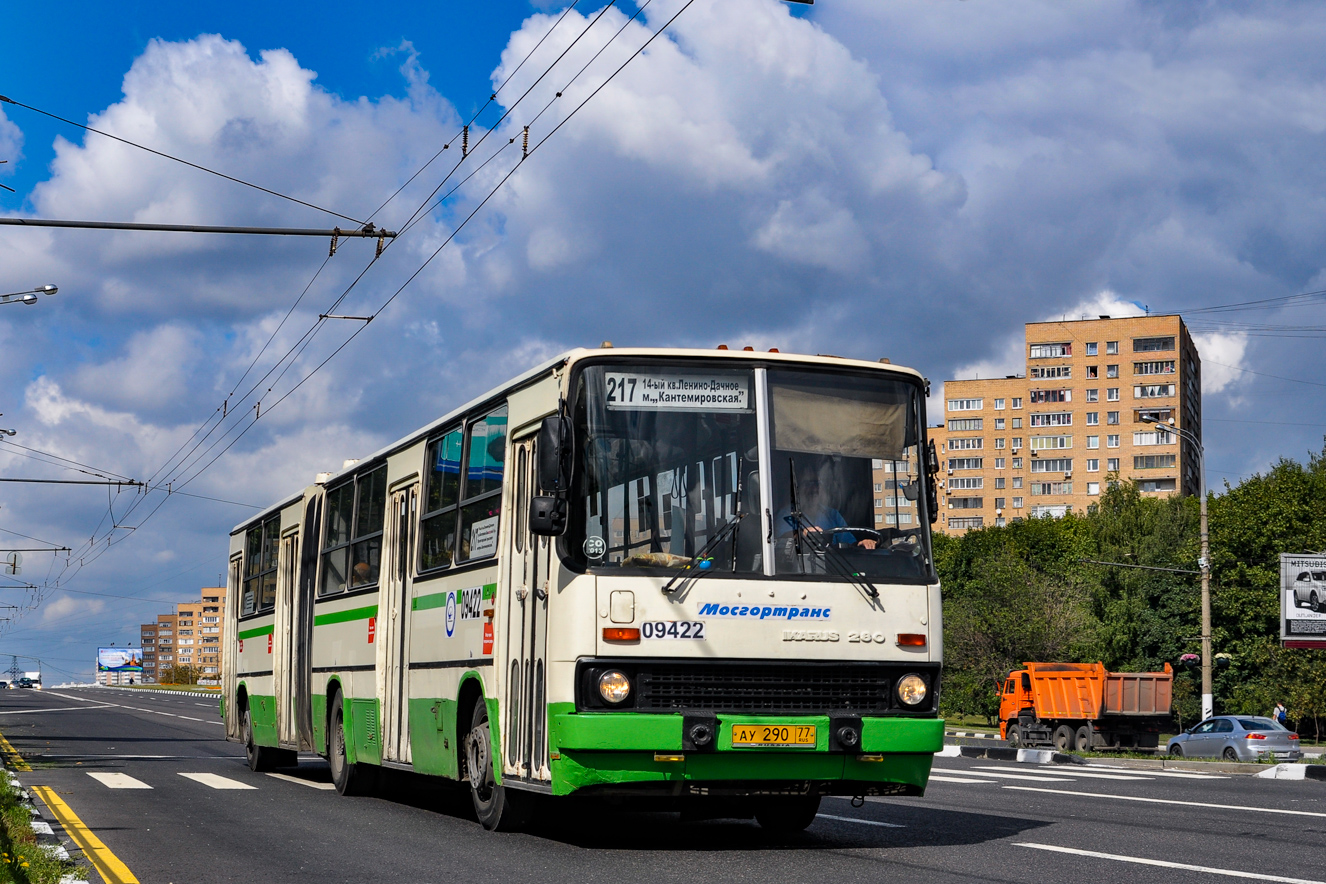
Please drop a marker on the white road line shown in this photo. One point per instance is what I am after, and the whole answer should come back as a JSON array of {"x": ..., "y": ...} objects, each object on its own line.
[
  {"x": 216, "y": 781},
  {"x": 1170, "y": 801},
  {"x": 1166, "y": 864},
  {"x": 187, "y": 718},
  {"x": 310, "y": 783},
  {"x": 1013, "y": 776},
  {"x": 1178, "y": 774},
  {"x": 54, "y": 709},
  {"x": 943, "y": 779},
  {"x": 1075, "y": 773},
  {"x": 852, "y": 819},
  {"x": 118, "y": 781},
  {"x": 206, "y": 705}
]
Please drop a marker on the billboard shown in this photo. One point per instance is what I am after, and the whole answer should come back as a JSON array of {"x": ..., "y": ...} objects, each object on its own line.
[
  {"x": 119, "y": 659},
  {"x": 1303, "y": 600}
]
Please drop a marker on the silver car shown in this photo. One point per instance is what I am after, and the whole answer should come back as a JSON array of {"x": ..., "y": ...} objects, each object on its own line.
[
  {"x": 1237, "y": 738},
  {"x": 1310, "y": 590}
]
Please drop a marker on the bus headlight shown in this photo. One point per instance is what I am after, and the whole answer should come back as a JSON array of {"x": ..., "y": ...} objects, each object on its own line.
[
  {"x": 614, "y": 686},
  {"x": 911, "y": 689}
]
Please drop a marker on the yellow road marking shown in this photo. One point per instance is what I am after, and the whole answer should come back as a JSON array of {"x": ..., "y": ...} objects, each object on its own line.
[
  {"x": 111, "y": 869},
  {"x": 13, "y": 760}
]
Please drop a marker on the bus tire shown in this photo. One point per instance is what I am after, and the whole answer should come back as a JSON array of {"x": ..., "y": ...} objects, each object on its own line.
[
  {"x": 349, "y": 779},
  {"x": 498, "y": 808},
  {"x": 787, "y": 816},
  {"x": 261, "y": 758}
]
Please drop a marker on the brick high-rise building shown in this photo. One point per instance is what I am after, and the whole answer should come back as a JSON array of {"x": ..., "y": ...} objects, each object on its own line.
[
  {"x": 1047, "y": 442},
  {"x": 191, "y": 636}
]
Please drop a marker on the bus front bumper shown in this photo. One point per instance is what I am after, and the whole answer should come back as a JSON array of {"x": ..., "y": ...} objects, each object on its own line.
[{"x": 643, "y": 754}]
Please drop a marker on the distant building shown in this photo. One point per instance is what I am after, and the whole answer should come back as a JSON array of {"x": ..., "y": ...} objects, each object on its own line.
[
  {"x": 191, "y": 636},
  {"x": 1049, "y": 441}
]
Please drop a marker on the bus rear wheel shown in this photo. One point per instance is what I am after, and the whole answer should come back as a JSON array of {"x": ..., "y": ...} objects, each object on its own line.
[
  {"x": 497, "y": 807},
  {"x": 349, "y": 779},
  {"x": 261, "y": 758},
  {"x": 786, "y": 816}
]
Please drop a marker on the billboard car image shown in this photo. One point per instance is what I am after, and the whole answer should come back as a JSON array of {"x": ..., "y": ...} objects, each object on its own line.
[
  {"x": 119, "y": 659},
  {"x": 1303, "y": 600}
]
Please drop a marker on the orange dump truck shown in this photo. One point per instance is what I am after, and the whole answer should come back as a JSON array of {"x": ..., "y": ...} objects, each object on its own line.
[{"x": 1084, "y": 706}]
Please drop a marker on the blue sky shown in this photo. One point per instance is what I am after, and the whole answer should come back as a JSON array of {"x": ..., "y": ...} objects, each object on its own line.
[{"x": 910, "y": 179}]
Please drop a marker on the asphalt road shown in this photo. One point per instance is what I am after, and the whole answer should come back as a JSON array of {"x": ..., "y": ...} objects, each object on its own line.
[{"x": 195, "y": 813}]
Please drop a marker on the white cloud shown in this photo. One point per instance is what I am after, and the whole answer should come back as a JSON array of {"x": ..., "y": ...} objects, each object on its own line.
[{"x": 1222, "y": 356}]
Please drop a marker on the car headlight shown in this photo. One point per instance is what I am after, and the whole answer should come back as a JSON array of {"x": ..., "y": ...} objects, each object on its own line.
[
  {"x": 614, "y": 686},
  {"x": 911, "y": 689}
]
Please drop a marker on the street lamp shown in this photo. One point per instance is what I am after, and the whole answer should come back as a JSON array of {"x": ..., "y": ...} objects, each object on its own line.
[
  {"x": 29, "y": 296},
  {"x": 1204, "y": 563}
]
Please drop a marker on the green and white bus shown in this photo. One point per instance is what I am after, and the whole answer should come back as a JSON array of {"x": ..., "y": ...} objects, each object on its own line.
[{"x": 673, "y": 578}]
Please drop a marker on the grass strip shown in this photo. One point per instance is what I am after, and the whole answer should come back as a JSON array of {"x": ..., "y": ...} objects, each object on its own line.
[{"x": 22, "y": 859}]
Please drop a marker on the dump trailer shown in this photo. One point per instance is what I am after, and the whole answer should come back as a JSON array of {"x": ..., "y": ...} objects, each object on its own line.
[{"x": 1084, "y": 706}]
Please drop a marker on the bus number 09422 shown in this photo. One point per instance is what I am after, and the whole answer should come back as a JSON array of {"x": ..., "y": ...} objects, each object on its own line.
[{"x": 691, "y": 629}]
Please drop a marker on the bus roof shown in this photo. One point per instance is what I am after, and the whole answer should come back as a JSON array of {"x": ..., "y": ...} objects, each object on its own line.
[{"x": 569, "y": 358}]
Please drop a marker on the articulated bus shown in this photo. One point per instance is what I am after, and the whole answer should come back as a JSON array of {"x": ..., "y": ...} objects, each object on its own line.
[{"x": 697, "y": 580}]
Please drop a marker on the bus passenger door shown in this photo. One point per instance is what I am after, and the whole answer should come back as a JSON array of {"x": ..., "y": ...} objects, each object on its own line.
[
  {"x": 525, "y": 742},
  {"x": 230, "y": 654},
  {"x": 287, "y": 732},
  {"x": 392, "y": 626},
  {"x": 302, "y": 659}
]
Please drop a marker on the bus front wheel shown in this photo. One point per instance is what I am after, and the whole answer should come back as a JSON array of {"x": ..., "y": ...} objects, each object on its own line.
[
  {"x": 497, "y": 807},
  {"x": 785, "y": 816},
  {"x": 349, "y": 779},
  {"x": 260, "y": 758}
]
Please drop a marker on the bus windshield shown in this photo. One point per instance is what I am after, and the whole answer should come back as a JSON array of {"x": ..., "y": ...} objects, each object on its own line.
[{"x": 669, "y": 468}]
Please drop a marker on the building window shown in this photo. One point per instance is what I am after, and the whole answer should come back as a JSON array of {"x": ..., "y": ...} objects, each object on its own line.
[
  {"x": 971, "y": 443},
  {"x": 1017, "y": 463},
  {"x": 1153, "y": 462},
  {"x": 999, "y": 503},
  {"x": 965, "y": 463},
  {"x": 1046, "y": 443},
  {"x": 1112, "y": 394},
  {"x": 999, "y": 405},
  {"x": 1017, "y": 442},
  {"x": 1111, "y": 371},
  {"x": 1093, "y": 465},
  {"x": 1052, "y": 419},
  {"x": 999, "y": 442},
  {"x": 999, "y": 521},
  {"x": 1111, "y": 348},
  {"x": 352, "y": 548},
  {"x": 1050, "y": 489},
  {"x": 966, "y": 503},
  {"x": 1093, "y": 488},
  {"x": 965, "y": 523},
  {"x": 1093, "y": 418},
  {"x": 1112, "y": 441},
  {"x": 1146, "y": 485},
  {"x": 966, "y": 425},
  {"x": 1163, "y": 367},
  {"x": 1017, "y": 402},
  {"x": 999, "y": 463},
  {"x": 1152, "y": 391},
  {"x": 879, "y": 486},
  {"x": 1017, "y": 423},
  {"x": 1112, "y": 465},
  {"x": 1017, "y": 481},
  {"x": 1093, "y": 441},
  {"x": 1051, "y": 351},
  {"x": 974, "y": 483},
  {"x": 1092, "y": 348},
  {"x": 1093, "y": 395},
  {"x": 999, "y": 423},
  {"x": 966, "y": 404},
  {"x": 1052, "y": 465},
  {"x": 1017, "y": 503},
  {"x": 1039, "y": 396},
  {"x": 999, "y": 481},
  {"x": 1159, "y": 437},
  {"x": 1053, "y": 371},
  {"x": 1153, "y": 345},
  {"x": 261, "y": 543},
  {"x": 1112, "y": 417}
]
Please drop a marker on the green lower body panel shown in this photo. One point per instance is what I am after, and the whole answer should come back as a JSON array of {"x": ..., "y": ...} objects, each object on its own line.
[
  {"x": 262, "y": 718},
  {"x": 616, "y": 753},
  {"x": 320, "y": 724},
  {"x": 362, "y": 731},
  {"x": 432, "y": 737}
]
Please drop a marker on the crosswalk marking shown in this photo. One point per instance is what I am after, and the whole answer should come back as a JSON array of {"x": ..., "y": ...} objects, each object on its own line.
[
  {"x": 1035, "y": 778},
  {"x": 1176, "y": 774},
  {"x": 216, "y": 781},
  {"x": 312, "y": 784},
  {"x": 118, "y": 781},
  {"x": 944, "y": 779}
]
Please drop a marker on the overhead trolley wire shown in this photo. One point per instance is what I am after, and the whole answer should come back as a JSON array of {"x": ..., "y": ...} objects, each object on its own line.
[{"x": 267, "y": 190}]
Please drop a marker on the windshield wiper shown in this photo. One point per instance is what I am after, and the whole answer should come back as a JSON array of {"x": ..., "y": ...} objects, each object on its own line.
[
  {"x": 833, "y": 557},
  {"x": 702, "y": 556}
]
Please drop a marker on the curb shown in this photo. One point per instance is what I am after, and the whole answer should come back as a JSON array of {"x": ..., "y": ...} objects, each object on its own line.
[
  {"x": 1002, "y": 753},
  {"x": 979, "y": 735},
  {"x": 47, "y": 839},
  {"x": 1294, "y": 772},
  {"x": 207, "y": 693}
]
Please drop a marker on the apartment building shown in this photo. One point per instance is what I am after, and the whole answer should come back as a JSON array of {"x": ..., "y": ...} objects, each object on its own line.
[
  {"x": 191, "y": 636},
  {"x": 1048, "y": 441}
]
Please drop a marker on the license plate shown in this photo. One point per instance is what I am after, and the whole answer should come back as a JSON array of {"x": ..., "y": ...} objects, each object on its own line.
[{"x": 754, "y": 736}]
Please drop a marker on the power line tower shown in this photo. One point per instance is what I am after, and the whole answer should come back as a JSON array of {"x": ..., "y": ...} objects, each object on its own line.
[{"x": 14, "y": 672}]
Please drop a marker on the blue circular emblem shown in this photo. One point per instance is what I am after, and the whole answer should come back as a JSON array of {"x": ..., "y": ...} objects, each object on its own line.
[{"x": 451, "y": 613}]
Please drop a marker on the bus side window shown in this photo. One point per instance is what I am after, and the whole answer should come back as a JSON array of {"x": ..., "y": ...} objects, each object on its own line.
[{"x": 481, "y": 491}]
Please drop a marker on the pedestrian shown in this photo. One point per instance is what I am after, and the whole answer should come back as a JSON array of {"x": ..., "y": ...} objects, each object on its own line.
[{"x": 1280, "y": 715}]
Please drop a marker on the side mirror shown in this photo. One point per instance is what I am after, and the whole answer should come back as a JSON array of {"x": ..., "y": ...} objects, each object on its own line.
[
  {"x": 554, "y": 469},
  {"x": 931, "y": 491},
  {"x": 547, "y": 516}
]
